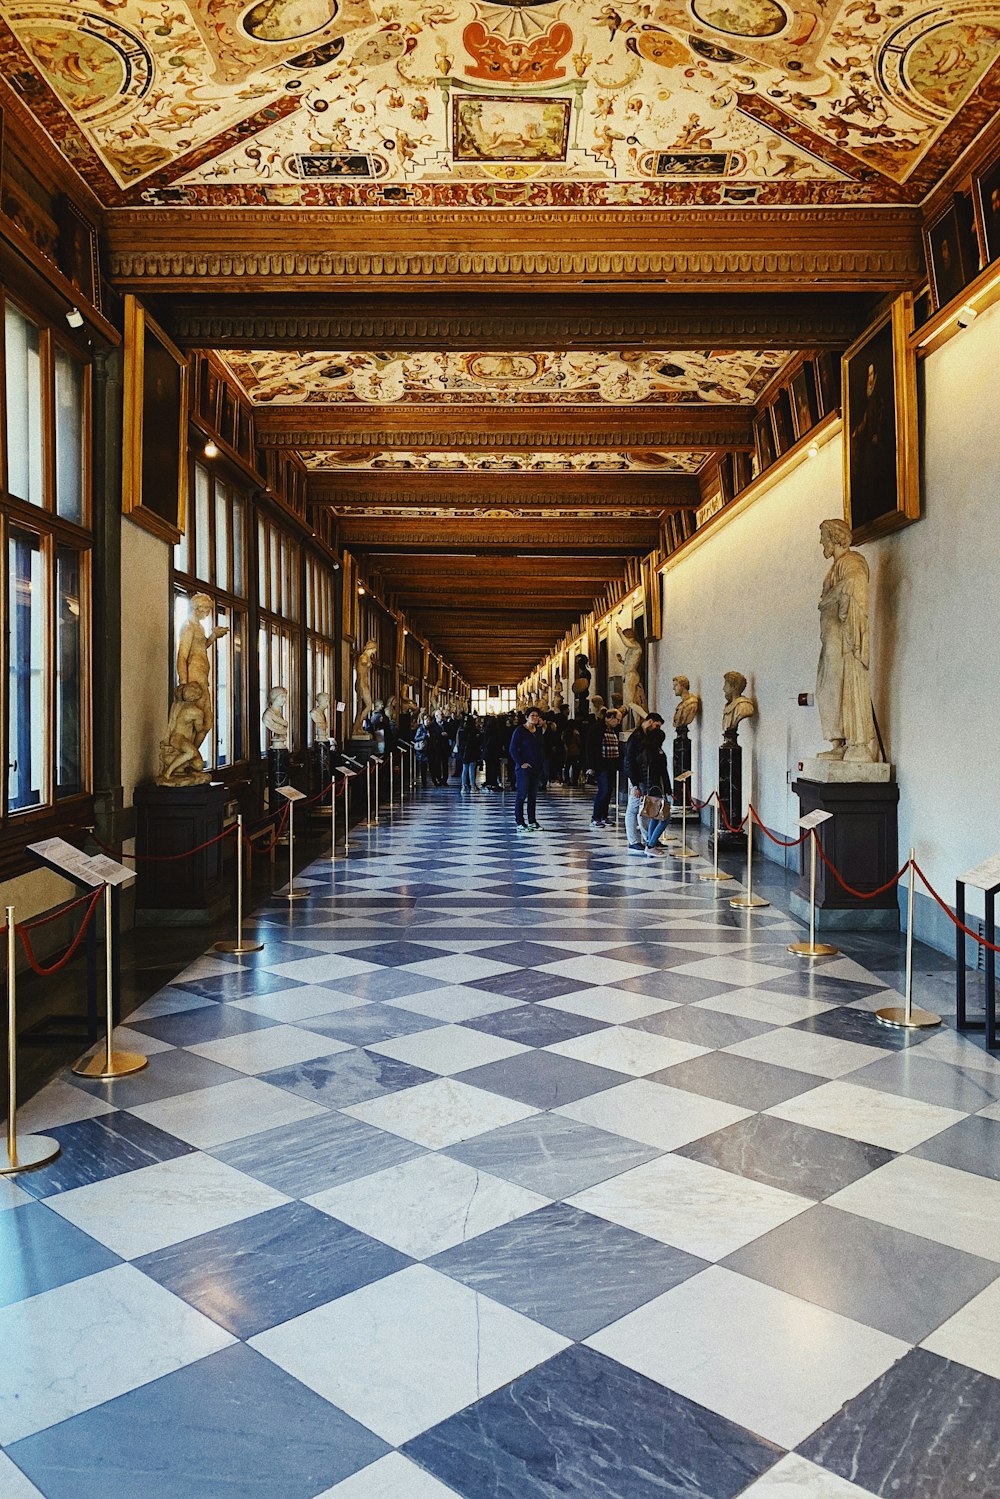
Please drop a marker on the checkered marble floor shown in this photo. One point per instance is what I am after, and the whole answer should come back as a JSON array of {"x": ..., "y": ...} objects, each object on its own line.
[{"x": 514, "y": 1166}]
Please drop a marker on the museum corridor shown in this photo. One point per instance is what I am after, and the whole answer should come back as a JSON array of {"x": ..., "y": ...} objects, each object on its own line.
[{"x": 512, "y": 1166}]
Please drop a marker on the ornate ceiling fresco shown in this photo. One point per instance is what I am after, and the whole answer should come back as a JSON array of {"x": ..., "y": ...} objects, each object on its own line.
[
  {"x": 576, "y": 379},
  {"x": 465, "y": 103},
  {"x": 451, "y": 461}
]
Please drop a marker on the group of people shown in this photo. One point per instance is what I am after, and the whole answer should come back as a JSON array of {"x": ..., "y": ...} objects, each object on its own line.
[{"x": 540, "y": 748}]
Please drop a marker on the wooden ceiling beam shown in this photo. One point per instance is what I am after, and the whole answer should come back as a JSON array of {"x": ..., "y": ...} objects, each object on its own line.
[
  {"x": 501, "y": 537},
  {"x": 369, "y": 487}
]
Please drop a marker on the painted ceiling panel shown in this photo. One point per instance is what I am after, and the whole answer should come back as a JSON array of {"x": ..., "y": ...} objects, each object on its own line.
[
  {"x": 446, "y": 460},
  {"x": 474, "y": 104}
]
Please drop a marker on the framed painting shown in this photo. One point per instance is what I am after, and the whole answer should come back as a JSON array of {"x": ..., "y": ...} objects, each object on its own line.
[
  {"x": 781, "y": 420},
  {"x": 803, "y": 395},
  {"x": 986, "y": 187},
  {"x": 727, "y": 477},
  {"x": 764, "y": 437},
  {"x": 502, "y": 127},
  {"x": 951, "y": 264},
  {"x": 78, "y": 250},
  {"x": 881, "y": 487},
  {"x": 154, "y": 473},
  {"x": 826, "y": 367},
  {"x": 742, "y": 470}
]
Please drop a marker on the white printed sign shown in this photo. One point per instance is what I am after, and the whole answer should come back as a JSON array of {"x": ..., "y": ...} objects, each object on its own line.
[{"x": 814, "y": 819}]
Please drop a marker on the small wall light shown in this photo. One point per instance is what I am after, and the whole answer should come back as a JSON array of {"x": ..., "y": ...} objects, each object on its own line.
[
  {"x": 210, "y": 450},
  {"x": 75, "y": 317}
]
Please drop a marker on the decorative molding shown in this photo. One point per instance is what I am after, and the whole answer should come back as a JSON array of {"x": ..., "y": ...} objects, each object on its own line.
[
  {"x": 623, "y": 491},
  {"x": 624, "y": 536}
]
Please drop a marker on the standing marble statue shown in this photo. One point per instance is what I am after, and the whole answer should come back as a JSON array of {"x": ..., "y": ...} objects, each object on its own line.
[
  {"x": 363, "y": 668},
  {"x": 557, "y": 695},
  {"x": 273, "y": 717},
  {"x": 320, "y": 715},
  {"x": 193, "y": 664},
  {"x": 181, "y": 763},
  {"x": 843, "y": 691},
  {"x": 688, "y": 707},
  {"x": 633, "y": 692},
  {"x": 738, "y": 706}
]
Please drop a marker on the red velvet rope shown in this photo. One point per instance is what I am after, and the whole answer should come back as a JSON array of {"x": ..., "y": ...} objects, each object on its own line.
[
  {"x": 859, "y": 894},
  {"x": 992, "y": 947},
  {"x": 120, "y": 854},
  {"x": 265, "y": 848},
  {"x": 22, "y": 932},
  {"x": 781, "y": 842},
  {"x": 722, "y": 813}
]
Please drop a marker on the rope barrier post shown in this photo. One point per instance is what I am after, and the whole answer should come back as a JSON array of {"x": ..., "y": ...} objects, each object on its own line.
[
  {"x": 109, "y": 1063},
  {"x": 29, "y": 1150},
  {"x": 377, "y": 760},
  {"x": 618, "y": 797},
  {"x": 391, "y": 780},
  {"x": 717, "y": 873},
  {"x": 292, "y": 796},
  {"x": 749, "y": 902},
  {"x": 812, "y": 948},
  {"x": 908, "y": 1016},
  {"x": 683, "y": 852},
  {"x": 240, "y": 945}
]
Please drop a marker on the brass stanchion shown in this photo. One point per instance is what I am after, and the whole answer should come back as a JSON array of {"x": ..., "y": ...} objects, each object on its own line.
[
  {"x": 683, "y": 852},
  {"x": 291, "y": 893},
  {"x": 109, "y": 1063},
  {"x": 749, "y": 901},
  {"x": 908, "y": 1016},
  {"x": 241, "y": 945},
  {"x": 717, "y": 873},
  {"x": 333, "y": 819},
  {"x": 377, "y": 759},
  {"x": 618, "y": 797},
  {"x": 368, "y": 787},
  {"x": 29, "y": 1150},
  {"x": 812, "y": 948}
]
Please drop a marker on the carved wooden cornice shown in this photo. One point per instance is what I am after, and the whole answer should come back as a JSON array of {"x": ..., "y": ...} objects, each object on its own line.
[
  {"x": 577, "y": 320},
  {"x": 475, "y": 491},
  {"x": 301, "y": 249},
  {"x": 622, "y": 534}
]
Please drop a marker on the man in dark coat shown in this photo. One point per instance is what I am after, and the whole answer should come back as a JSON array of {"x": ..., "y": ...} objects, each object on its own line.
[
  {"x": 604, "y": 758},
  {"x": 527, "y": 751}
]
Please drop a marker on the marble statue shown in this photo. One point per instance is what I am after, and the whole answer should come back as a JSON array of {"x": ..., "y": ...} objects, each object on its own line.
[
  {"x": 843, "y": 691},
  {"x": 688, "y": 707},
  {"x": 364, "y": 665},
  {"x": 273, "y": 717},
  {"x": 181, "y": 763},
  {"x": 633, "y": 693},
  {"x": 597, "y": 705},
  {"x": 320, "y": 716},
  {"x": 557, "y": 695},
  {"x": 738, "y": 707},
  {"x": 581, "y": 682},
  {"x": 193, "y": 664}
]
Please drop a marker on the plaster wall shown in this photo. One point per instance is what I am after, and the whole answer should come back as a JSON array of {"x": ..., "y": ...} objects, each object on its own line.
[
  {"x": 145, "y": 664},
  {"x": 745, "y": 599}
]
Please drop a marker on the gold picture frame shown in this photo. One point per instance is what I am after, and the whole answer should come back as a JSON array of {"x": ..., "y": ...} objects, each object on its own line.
[
  {"x": 155, "y": 467},
  {"x": 880, "y": 440}
]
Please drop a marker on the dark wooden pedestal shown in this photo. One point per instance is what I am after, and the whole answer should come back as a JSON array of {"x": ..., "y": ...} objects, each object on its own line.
[
  {"x": 320, "y": 770},
  {"x": 861, "y": 839},
  {"x": 730, "y": 792},
  {"x": 682, "y": 762},
  {"x": 169, "y": 820}
]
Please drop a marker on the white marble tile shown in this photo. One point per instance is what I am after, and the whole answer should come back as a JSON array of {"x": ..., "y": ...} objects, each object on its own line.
[
  {"x": 887, "y": 1119},
  {"x": 614, "y": 1005},
  {"x": 301, "y": 1003},
  {"x": 205, "y": 967},
  {"x": 458, "y": 968},
  {"x": 823, "y": 1056},
  {"x": 214, "y": 1116},
  {"x": 425, "y": 1206},
  {"x": 322, "y": 970},
  {"x": 936, "y": 1202},
  {"x": 126, "y": 1039},
  {"x": 70, "y": 1349},
  {"x": 992, "y": 1111},
  {"x": 796, "y": 1478},
  {"x": 392, "y": 1477},
  {"x": 448, "y": 1049},
  {"x": 762, "y": 1005},
  {"x": 972, "y": 1335},
  {"x": 59, "y": 1103},
  {"x": 596, "y": 969},
  {"x": 654, "y": 1113},
  {"x": 169, "y": 1002},
  {"x": 805, "y": 1361},
  {"x": 695, "y": 1207},
  {"x": 158, "y": 1205},
  {"x": 440, "y": 1113},
  {"x": 440, "y": 1347},
  {"x": 949, "y": 1046},
  {"x": 12, "y": 1196},
  {"x": 13, "y": 1484},
  {"x": 637, "y": 1053},
  {"x": 733, "y": 970},
  {"x": 264, "y": 1050},
  {"x": 454, "y": 1002}
]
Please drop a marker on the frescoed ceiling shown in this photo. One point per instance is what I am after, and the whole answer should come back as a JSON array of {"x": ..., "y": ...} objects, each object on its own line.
[
  {"x": 498, "y": 103},
  {"x": 451, "y": 461}
]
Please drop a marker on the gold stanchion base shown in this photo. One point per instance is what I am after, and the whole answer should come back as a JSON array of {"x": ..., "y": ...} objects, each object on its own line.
[
  {"x": 30, "y": 1151},
  {"x": 817, "y": 950},
  {"x": 238, "y": 947},
  {"x": 748, "y": 902},
  {"x": 895, "y": 1015},
  {"x": 716, "y": 877},
  {"x": 296, "y": 895},
  {"x": 121, "y": 1064},
  {"x": 684, "y": 853}
]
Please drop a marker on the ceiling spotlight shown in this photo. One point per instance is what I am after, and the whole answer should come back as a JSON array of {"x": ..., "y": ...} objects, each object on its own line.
[
  {"x": 335, "y": 565},
  {"x": 210, "y": 450},
  {"x": 361, "y": 589},
  {"x": 75, "y": 317},
  {"x": 966, "y": 315},
  {"x": 813, "y": 450}
]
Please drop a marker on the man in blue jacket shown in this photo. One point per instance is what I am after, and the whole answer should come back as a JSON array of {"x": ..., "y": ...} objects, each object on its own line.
[{"x": 527, "y": 751}]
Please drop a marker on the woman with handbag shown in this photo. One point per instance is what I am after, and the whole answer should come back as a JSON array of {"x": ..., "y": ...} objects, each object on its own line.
[{"x": 654, "y": 810}]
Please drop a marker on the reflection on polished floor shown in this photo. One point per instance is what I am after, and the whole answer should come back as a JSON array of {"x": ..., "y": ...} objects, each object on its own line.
[{"x": 511, "y": 1167}]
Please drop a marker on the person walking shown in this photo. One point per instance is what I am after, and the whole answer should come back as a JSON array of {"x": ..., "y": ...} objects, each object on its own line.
[
  {"x": 421, "y": 748},
  {"x": 655, "y": 787},
  {"x": 468, "y": 747},
  {"x": 438, "y": 749},
  {"x": 574, "y": 754},
  {"x": 604, "y": 758},
  {"x": 527, "y": 752},
  {"x": 635, "y": 771},
  {"x": 492, "y": 751}
]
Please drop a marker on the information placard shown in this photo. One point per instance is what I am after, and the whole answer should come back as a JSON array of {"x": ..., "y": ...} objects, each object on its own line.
[
  {"x": 290, "y": 793},
  {"x": 985, "y": 876},
  {"x": 814, "y": 819},
  {"x": 110, "y": 871}
]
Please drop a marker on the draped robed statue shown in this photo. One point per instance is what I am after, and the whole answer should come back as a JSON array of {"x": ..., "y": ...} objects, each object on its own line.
[{"x": 843, "y": 690}]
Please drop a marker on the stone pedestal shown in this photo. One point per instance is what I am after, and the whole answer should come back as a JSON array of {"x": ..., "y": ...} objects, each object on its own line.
[
  {"x": 861, "y": 839},
  {"x": 320, "y": 770},
  {"x": 279, "y": 769},
  {"x": 730, "y": 792},
  {"x": 682, "y": 762},
  {"x": 170, "y": 820}
]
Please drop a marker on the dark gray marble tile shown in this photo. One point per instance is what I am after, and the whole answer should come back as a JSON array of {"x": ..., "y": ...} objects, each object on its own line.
[
  {"x": 95, "y": 1149},
  {"x": 368, "y": 1023},
  {"x": 741, "y": 1080},
  {"x": 680, "y": 988},
  {"x": 701, "y": 1027},
  {"x": 898, "y": 1282},
  {"x": 914, "y": 1076},
  {"x": 808, "y": 1162},
  {"x": 40, "y": 1250},
  {"x": 971, "y": 1145},
  {"x": 583, "y": 1425},
  {"x": 533, "y": 1026},
  {"x": 927, "y": 1429},
  {"x": 300, "y": 1159},
  {"x": 846, "y": 1024},
  {"x": 542, "y": 1078},
  {"x": 169, "y": 1074},
  {"x": 347, "y": 1078},
  {"x": 210, "y": 1022},
  {"x": 552, "y": 1155},
  {"x": 382, "y": 984}
]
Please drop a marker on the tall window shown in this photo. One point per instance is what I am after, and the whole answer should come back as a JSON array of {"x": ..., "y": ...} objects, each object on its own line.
[
  {"x": 210, "y": 558},
  {"x": 45, "y": 515},
  {"x": 278, "y": 600},
  {"x": 320, "y": 629},
  {"x": 493, "y": 700}
]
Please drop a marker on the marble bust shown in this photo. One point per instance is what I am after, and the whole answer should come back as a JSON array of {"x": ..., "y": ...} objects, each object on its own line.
[
  {"x": 320, "y": 716},
  {"x": 843, "y": 690},
  {"x": 738, "y": 706},
  {"x": 273, "y": 717},
  {"x": 688, "y": 707}
]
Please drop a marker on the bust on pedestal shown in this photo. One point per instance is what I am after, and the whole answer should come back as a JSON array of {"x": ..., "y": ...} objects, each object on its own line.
[
  {"x": 321, "y": 749},
  {"x": 738, "y": 707},
  {"x": 274, "y": 721},
  {"x": 685, "y": 713}
]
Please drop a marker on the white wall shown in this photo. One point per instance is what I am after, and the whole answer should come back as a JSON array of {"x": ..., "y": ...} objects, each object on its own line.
[
  {"x": 145, "y": 667},
  {"x": 746, "y": 600}
]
